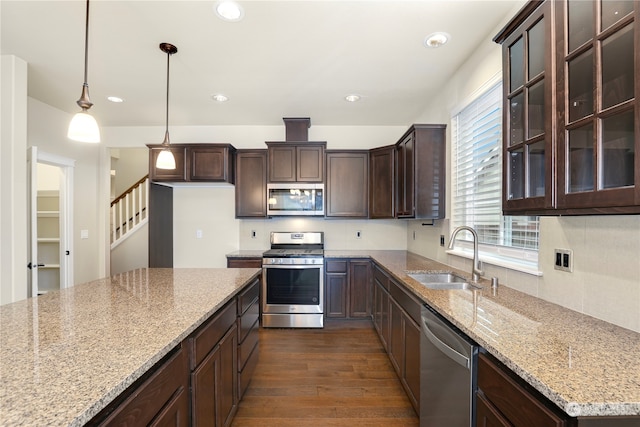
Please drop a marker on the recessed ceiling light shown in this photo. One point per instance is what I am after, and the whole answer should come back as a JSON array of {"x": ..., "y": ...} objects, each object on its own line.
[
  {"x": 115, "y": 99},
  {"x": 229, "y": 10},
  {"x": 352, "y": 98},
  {"x": 436, "y": 39},
  {"x": 219, "y": 97}
]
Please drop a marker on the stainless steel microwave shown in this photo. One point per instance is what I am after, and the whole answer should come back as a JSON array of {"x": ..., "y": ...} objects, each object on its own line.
[{"x": 295, "y": 199}]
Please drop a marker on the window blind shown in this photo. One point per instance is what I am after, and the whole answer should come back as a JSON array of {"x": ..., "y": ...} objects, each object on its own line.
[{"x": 476, "y": 134}]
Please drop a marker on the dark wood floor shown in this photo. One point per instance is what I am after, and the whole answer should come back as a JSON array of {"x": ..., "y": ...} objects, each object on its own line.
[{"x": 336, "y": 376}]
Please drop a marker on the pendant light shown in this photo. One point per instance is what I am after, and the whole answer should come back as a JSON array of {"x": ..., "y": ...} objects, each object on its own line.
[
  {"x": 165, "y": 159},
  {"x": 83, "y": 126}
]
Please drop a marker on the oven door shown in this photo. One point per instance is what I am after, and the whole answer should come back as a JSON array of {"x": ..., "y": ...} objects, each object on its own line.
[{"x": 293, "y": 289}]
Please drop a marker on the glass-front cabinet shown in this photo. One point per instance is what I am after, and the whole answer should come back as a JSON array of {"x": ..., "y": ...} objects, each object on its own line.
[
  {"x": 528, "y": 114},
  {"x": 571, "y": 120},
  {"x": 598, "y": 163}
]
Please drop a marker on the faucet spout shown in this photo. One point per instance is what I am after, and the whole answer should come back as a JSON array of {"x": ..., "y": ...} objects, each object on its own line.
[{"x": 476, "y": 268}]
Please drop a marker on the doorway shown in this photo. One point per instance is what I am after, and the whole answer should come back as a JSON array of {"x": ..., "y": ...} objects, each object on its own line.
[{"x": 50, "y": 260}]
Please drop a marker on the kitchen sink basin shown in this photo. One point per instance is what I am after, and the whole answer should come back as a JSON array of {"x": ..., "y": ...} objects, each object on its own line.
[{"x": 443, "y": 281}]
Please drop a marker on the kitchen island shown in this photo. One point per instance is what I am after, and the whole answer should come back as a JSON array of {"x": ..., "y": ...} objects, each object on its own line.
[
  {"x": 585, "y": 366},
  {"x": 64, "y": 356}
]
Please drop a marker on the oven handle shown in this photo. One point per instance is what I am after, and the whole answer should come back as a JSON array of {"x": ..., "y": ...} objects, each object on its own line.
[{"x": 293, "y": 266}]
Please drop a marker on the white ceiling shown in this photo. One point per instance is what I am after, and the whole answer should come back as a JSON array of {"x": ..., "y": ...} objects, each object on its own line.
[{"x": 292, "y": 58}]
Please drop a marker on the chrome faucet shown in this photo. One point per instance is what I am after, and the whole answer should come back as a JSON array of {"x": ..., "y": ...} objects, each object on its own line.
[{"x": 476, "y": 268}]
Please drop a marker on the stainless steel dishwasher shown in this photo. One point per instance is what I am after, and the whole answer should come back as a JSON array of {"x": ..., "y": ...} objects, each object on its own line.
[{"x": 448, "y": 366}]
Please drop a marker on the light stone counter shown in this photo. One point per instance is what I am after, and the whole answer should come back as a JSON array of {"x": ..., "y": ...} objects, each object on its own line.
[
  {"x": 586, "y": 366},
  {"x": 65, "y": 355}
]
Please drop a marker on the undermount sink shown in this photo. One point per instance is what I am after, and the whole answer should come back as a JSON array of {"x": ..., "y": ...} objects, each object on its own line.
[{"x": 443, "y": 281}]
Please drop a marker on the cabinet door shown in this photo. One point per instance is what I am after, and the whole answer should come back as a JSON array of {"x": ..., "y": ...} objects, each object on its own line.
[
  {"x": 178, "y": 174},
  {"x": 528, "y": 135},
  {"x": 381, "y": 194},
  {"x": 210, "y": 164},
  {"x": 404, "y": 177},
  {"x": 336, "y": 295},
  {"x": 282, "y": 163},
  {"x": 214, "y": 384},
  {"x": 251, "y": 184},
  {"x": 411, "y": 375},
  {"x": 396, "y": 337},
  {"x": 381, "y": 312},
  {"x": 360, "y": 289},
  {"x": 598, "y": 148},
  {"x": 175, "y": 413},
  {"x": 347, "y": 184},
  {"x": 310, "y": 163},
  {"x": 487, "y": 415}
]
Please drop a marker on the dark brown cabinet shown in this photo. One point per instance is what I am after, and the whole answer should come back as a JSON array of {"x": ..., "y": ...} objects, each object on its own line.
[
  {"x": 396, "y": 317},
  {"x": 348, "y": 292},
  {"x": 505, "y": 401},
  {"x": 296, "y": 162},
  {"x": 381, "y": 182},
  {"x": 195, "y": 163},
  {"x": 162, "y": 399},
  {"x": 251, "y": 184},
  {"x": 570, "y": 108},
  {"x": 214, "y": 376},
  {"x": 420, "y": 172},
  {"x": 248, "y": 331},
  {"x": 347, "y": 183},
  {"x": 245, "y": 262}
]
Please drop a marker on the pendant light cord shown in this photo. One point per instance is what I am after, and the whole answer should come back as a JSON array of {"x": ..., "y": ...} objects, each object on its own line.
[
  {"x": 86, "y": 44},
  {"x": 167, "y": 111}
]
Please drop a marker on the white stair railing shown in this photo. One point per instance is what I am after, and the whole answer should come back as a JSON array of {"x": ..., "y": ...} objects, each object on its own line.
[{"x": 129, "y": 211}]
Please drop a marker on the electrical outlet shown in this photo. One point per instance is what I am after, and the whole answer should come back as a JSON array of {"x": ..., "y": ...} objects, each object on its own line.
[
  {"x": 198, "y": 234},
  {"x": 358, "y": 234},
  {"x": 254, "y": 234},
  {"x": 442, "y": 240},
  {"x": 563, "y": 260}
]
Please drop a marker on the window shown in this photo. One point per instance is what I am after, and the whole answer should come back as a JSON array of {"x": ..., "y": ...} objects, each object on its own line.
[{"x": 476, "y": 135}]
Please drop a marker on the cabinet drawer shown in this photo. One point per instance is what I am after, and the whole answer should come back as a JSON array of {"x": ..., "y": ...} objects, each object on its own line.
[
  {"x": 244, "y": 376},
  {"x": 244, "y": 262},
  {"x": 248, "y": 297},
  {"x": 246, "y": 347},
  {"x": 164, "y": 391},
  {"x": 520, "y": 406},
  {"x": 381, "y": 277},
  {"x": 336, "y": 266},
  {"x": 207, "y": 336},
  {"x": 248, "y": 320},
  {"x": 407, "y": 302}
]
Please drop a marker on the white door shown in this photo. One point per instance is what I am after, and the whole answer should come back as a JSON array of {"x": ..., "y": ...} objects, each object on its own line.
[{"x": 50, "y": 222}]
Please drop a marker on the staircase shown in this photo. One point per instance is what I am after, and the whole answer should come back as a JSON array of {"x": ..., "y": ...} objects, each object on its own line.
[{"x": 129, "y": 211}]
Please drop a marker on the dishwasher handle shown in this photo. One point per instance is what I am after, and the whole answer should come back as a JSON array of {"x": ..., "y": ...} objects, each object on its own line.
[{"x": 457, "y": 357}]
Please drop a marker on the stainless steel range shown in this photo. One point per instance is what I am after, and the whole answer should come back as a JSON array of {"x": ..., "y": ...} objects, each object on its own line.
[{"x": 293, "y": 281}]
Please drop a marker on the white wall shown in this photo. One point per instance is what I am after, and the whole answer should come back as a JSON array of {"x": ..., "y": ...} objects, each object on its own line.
[
  {"x": 605, "y": 282},
  {"x": 133, "y": 252},
  {"x": 129, "y": 165},
  {"x": 47, "y": 127},
  {"x": 13, "y": 179}
]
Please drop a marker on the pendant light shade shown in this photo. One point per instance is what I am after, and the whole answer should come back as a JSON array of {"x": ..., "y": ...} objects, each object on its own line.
[
  {"x": 83, "y": 126},
  {"x": 165, "y": 159}
]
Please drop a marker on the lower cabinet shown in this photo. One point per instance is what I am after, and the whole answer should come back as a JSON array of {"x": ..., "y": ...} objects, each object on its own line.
[
  {"x": 161, "y": 399},
  {"x": 396, "y": 317},
  {"x": 348, "y": 292},
  {"x": 248, "y": 335},
  {"x": 244, "y": 262},
  {"x": 202, "y": 380},
  {"x": 502, "y": 400},
  {"x": 214, "y": 371}
]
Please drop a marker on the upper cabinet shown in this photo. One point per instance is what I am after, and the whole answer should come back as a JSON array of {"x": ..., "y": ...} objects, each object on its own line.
[
  {"x": 251, "y": 184},
  {"x": 296, "y": 162},
  {"x": 381, "y": 179},
  {"x": 195, "y": 163},
  {"x": 420, "y": 172},
  {"x": 347, "y": 183},
  {"x": 570, "y": 108}
]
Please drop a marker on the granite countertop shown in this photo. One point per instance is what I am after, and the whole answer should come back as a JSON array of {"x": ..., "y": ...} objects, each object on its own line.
[
  {"x": 65, "y": 355},
  {"x": 246, "y": 254},
  {"x": 586, "y": 366}
]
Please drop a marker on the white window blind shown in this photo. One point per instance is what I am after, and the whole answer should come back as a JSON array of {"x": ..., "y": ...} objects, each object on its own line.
[{"x": 476, "y": 134}]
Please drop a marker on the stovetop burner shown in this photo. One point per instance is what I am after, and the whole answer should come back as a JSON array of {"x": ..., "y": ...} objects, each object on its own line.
[{"x": 290, "y": 253}]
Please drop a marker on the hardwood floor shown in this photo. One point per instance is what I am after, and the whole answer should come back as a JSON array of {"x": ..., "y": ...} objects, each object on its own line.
[{"x": 336, "y": 376}]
